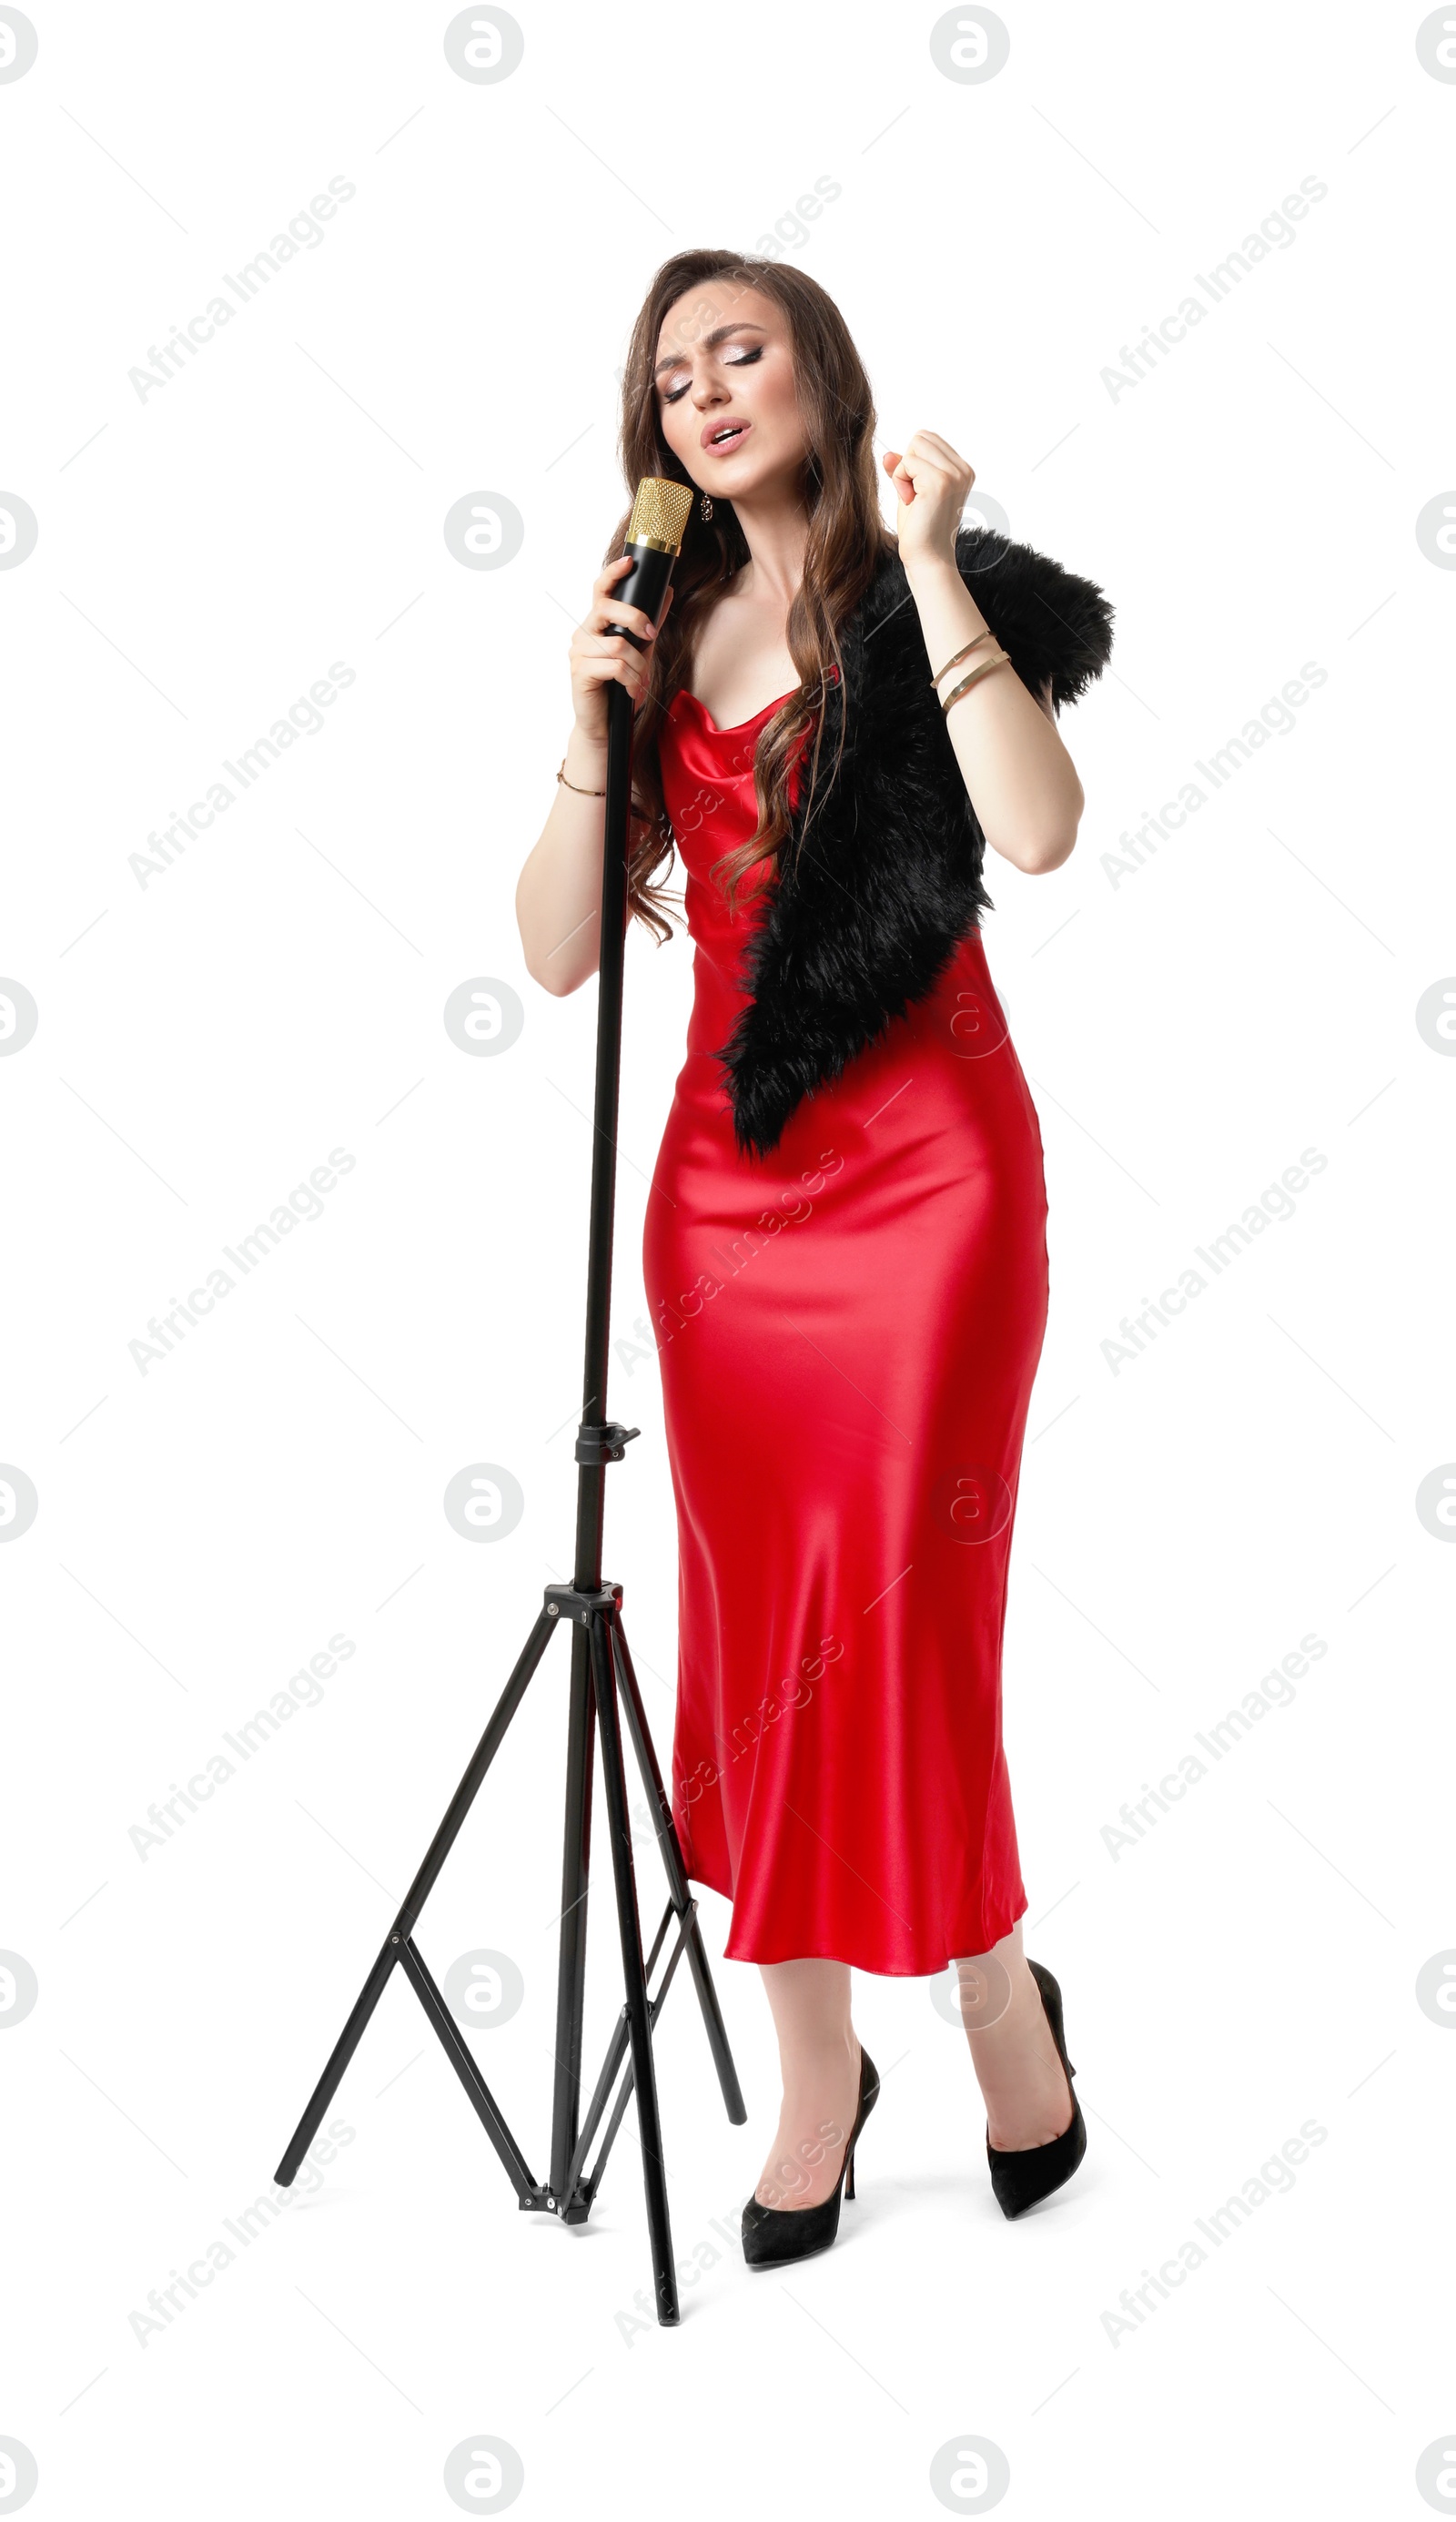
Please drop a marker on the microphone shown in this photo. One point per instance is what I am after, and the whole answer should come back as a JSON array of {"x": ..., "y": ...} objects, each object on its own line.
[{"x": 654, "y": 539}]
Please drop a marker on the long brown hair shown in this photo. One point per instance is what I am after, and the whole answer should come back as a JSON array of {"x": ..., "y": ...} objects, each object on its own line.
[{"x": 845, "y": 541}]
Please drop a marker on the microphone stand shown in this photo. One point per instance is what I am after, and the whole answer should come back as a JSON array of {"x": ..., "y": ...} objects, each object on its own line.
[{"x": 601, "y": 1670}]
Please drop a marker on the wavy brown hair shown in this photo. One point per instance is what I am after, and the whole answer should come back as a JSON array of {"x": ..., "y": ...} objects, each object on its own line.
[{"x": 845, "y": 543}]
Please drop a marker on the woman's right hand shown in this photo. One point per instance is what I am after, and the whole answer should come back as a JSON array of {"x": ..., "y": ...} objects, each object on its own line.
[{"x": 597, "y": 659}]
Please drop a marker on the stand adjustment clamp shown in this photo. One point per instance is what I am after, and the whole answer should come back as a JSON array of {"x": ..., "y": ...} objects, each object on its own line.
[
  {"x": 605, "y": 1444},
  {"x": 575, "y": 1603}
]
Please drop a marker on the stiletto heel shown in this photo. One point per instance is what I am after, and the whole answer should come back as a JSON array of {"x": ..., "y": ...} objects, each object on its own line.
[
  {"x": 774, "y": 2235},
  {"x": 1021, "y": 2176}
]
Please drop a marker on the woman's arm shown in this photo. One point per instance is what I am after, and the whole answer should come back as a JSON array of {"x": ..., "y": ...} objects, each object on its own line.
[
  {"x": 558, "y": 895},
  {"x": 1018, "y": 771}
]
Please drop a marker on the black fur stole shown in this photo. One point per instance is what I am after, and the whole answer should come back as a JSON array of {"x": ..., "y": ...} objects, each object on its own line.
[{"x": 876, "y": 892}]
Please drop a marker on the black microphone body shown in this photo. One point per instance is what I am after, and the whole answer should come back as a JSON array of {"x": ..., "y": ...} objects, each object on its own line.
[{"x": 645, "y": 585}]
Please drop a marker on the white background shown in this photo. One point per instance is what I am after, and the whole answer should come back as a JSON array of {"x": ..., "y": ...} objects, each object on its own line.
[{"x": 206, "y": 1038}]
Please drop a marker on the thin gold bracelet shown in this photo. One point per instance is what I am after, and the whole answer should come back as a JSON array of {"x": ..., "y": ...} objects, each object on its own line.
[
  {"x": 988, "y": 667},
  {"x": 961, "y": 653},
  {"x": 572, "y": 785}
]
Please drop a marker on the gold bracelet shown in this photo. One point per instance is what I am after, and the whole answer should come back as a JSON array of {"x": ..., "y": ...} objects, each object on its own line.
[
  {"x": 959, "y": 653},
  {"x": 572, "y": 785},
  {"x": 988, "y": 667}
]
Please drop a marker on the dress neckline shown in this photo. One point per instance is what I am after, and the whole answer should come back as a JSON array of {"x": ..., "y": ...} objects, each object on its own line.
[{"x": 684, "y": 693}]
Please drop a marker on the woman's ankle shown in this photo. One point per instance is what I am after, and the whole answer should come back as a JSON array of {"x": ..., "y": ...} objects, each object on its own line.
[
  {"x": 808, "y": 2069},
  {"x": 815, "y": 2115}
]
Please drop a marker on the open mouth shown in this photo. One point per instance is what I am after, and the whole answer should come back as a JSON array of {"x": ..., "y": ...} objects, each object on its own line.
[{"x": 728, "y": 434}]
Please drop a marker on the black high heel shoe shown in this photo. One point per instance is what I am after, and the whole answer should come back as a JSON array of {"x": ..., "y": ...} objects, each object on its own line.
[
  {"x": 774, "y": 2235},
  {"x": 1023, "y": 2177}
]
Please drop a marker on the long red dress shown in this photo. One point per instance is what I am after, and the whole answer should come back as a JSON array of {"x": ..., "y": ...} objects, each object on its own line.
[{"x": 848, "y": 1332}]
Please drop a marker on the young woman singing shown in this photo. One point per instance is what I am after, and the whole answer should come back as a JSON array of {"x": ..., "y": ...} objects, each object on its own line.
[{"x": 845, "y": 1245}]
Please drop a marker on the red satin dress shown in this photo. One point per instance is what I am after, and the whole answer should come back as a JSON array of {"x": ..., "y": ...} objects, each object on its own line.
[{"x": 848, "y": 1332}]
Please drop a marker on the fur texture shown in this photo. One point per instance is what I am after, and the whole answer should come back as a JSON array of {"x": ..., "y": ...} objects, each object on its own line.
[{"x": 877, "y": 888}]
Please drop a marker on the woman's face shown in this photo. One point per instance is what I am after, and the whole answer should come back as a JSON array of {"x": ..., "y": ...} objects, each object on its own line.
[{"x": 726, "y": 395}]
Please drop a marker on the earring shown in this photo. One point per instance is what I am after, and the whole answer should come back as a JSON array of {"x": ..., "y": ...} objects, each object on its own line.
[{"x": 705, "y": 509}]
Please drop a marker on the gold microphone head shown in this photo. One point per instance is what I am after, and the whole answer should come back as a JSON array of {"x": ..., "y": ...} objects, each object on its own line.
[{"x": 659, "y": 515}]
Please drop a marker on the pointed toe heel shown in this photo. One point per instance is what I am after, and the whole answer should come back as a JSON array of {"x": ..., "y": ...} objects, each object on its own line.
[
  {"x": 1022, "y": 2177},
  {"x": 773, "y": 2236}
]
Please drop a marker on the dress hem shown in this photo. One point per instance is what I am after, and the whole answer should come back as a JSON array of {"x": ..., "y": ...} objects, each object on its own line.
[{"x": 874, "y": 1970}]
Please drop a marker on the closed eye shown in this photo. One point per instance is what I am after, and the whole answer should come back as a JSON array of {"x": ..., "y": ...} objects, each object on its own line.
[{"x": 743, "y": 360}]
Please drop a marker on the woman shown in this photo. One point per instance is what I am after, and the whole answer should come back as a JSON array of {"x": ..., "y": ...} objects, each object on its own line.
[{"x": 845, "y": 1248}]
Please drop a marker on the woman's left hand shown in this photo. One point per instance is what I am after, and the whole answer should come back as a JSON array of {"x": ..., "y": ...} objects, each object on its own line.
[{"x": 932, "y": 483}]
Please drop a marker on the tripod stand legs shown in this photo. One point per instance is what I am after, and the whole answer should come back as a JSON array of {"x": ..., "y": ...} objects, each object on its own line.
[
  {"x": 393, "y": 1950},
  {"x": 672, "y": 1857},
  {"x": 649, "y": 2131},
  {"x": 601, "y": 1667},
  {"x": 575, "y": 1856}
]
